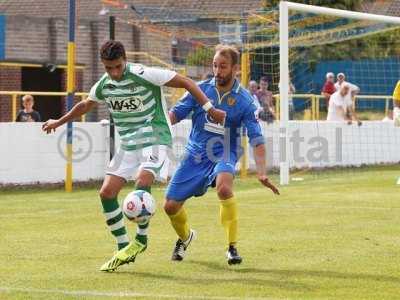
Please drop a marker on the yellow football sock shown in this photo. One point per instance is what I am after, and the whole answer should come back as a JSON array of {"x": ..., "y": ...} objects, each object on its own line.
[
  {"x": 180, "y": 224},
  {"x": 229, "y": 217}
]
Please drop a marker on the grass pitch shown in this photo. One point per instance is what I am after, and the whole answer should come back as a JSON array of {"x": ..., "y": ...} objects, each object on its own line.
[{"x": 330, "y": 237}]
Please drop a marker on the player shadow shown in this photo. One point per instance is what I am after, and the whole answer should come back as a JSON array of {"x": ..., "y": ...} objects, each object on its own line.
[
  {"x": 284, "y": 284},
  {"x": 211, "y": 280},
  {"x": 298, "y": 273}
]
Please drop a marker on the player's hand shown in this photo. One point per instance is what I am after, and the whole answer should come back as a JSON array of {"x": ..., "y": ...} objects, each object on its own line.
[
  {"x": 349, "y": 122},
  {"x": 217, "y": 115},
  {"x": 265, "y": 182},
  {"x": 359, "y": 123},
  {"x": 50, "y": 125}
]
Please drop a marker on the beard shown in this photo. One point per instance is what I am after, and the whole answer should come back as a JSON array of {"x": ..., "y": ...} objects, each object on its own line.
[{"x": 224, "y": 81}]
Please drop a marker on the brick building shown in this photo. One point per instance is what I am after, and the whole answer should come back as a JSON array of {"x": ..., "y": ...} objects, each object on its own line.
[{"x": 33, "y": 34}]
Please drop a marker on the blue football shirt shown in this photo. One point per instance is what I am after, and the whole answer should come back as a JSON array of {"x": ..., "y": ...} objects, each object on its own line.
[{"x": 206, "y": 137}]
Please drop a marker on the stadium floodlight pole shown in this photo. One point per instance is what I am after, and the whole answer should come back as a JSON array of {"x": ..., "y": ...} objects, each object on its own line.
[
  {"x": 112, "y": 125},
  {"x": 70, "y": 89},
  {"x": 284, "y": 92}
]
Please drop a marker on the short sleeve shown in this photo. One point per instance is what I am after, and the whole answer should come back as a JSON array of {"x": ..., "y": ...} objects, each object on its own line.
[
  {"x": 156, "y": 76},
  {"x": 95, "y": 93}
]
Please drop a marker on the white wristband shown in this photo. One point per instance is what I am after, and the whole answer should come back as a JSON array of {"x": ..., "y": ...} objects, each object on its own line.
[{"x": 207, "y": 106}]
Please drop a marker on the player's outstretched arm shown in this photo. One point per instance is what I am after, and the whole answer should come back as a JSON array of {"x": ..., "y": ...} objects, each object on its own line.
[
  {"x": 259, "y": 157},
  {"x": 180, "y": 81},
  {"x": 79, "y": 109},
  {"x": 172, "y": 117}
]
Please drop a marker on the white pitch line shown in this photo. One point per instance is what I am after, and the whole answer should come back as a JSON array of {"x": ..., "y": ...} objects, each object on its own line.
[{"x": 124, "y": 294}]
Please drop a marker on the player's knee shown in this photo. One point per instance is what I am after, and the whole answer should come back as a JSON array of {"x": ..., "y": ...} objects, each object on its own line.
[
  {"x": 145, "y": 179},
  {"x": 171, "y": 207},
  {"x": 224, "y": 191},
  {"x": 107, "y": 193}
]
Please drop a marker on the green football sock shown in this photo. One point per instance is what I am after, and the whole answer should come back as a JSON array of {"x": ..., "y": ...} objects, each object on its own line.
[{"x": 115, "y": 221}]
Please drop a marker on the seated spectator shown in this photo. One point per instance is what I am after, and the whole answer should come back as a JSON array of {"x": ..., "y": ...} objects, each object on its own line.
[
  {"x": 341, "y": 106},
  {"x": 329, "y": 88},
  {"x": 28, "y": 114},
  {"x": 266, "y": 101}
]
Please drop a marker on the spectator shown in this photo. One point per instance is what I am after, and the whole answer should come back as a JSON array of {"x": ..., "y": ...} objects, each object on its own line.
[
  {"x": 253, "y": 87},
  {"x": 388, "y": 117},
  {"x": 266, "y": 100},
  {"x": 28, "y": 114},
  {"x": 341, "y": 80},
  {"x": 341, "y": 106},
  {"x": 329, "y": 88}
]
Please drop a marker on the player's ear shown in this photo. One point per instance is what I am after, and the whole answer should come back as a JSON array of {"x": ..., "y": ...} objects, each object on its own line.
[{"x": 236, "y": 68}]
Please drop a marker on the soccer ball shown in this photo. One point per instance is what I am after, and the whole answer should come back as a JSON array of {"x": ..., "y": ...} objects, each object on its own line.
[{"x": 139, "y": 206}]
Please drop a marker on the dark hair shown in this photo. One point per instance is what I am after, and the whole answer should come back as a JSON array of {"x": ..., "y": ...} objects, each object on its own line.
[
  {"x": 111, "y": 50},
  {"x": 228, "y": 51},
  {"x": 264, "y": 78}
]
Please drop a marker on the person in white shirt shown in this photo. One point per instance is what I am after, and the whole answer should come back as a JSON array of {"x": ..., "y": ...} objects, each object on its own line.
[
  {"x": 341, "y": 80},
  {"x": 341, "y": 106},
  {"x": 388, "y": 117}
]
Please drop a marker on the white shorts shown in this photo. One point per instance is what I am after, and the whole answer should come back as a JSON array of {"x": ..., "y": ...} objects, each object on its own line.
[{"x": 127, "y": 164}]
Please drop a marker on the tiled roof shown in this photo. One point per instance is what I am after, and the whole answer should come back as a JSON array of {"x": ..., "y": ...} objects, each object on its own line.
[
  {"x": 159, "y": 10},
  {"x": 153, "y": 10},
  {"x": 394, "y": 8}
]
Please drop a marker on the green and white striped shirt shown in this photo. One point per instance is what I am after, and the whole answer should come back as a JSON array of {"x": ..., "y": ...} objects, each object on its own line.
[{"x": 137, "y": 105}]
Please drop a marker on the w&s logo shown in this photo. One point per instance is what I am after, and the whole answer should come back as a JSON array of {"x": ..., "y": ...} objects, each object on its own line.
[{"x": 127, "y": 104}]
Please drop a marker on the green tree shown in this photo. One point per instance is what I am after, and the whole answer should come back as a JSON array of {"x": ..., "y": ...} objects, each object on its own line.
[{"x": 202, "y": 56}]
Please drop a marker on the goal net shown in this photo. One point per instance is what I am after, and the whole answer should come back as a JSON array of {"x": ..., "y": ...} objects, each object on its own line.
[{"x": 361, "y": 49}]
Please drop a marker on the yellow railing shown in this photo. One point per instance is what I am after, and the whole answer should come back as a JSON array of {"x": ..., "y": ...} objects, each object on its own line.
[
  {"x": 315, "y": 102},
  {"x": 14, "y": 98},
  {"x": 314, "y": 99}
]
